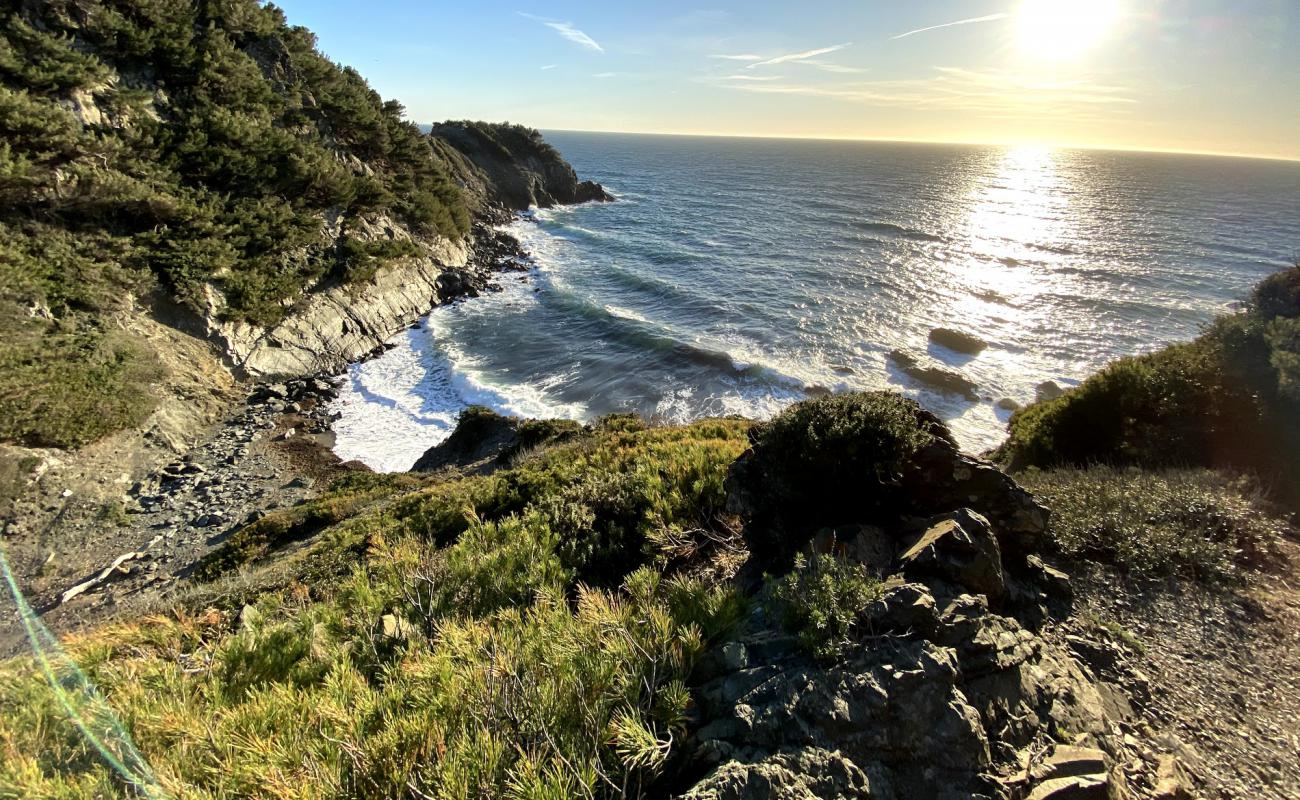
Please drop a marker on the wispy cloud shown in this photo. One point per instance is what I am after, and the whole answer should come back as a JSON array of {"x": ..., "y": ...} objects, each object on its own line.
[
  {"x": 991, "y": 93},
  {"x": 827, "y": 66},
  {"x": 970, "y": 21},
  {"x": 549, "y": 66},
  {"x": 800, "y": 57},
  {"x": 750, "y": 78},
  {"x": 738, "y": 57},
  {"x": 567, "y": 30}
]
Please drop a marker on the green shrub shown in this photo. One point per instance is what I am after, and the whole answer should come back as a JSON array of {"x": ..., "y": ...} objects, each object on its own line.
[
  {"x": 827, "y": 461},
  {"x": 227, "y": 177},
  {"x": 1191, "y": 523},
  {"x": 820, "y": 600},
  {"x": 1226, "y": 400},
  {"x": 1278, "y": 295},
  {"x": 69, "y": 382}
]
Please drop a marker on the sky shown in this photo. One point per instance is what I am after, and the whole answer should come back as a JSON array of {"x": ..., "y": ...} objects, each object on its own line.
[{"x": 1219, "y": 76}]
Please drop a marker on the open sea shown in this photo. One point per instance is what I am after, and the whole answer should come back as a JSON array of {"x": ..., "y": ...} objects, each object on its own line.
[{"x": 737, "y": 276}]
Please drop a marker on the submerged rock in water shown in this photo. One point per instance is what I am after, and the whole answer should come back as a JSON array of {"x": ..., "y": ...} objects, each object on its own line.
[
  {"x": 938, "y": 378},
  {"x": 958, "y": 341},
  {"x": 1047, "y": 390}
]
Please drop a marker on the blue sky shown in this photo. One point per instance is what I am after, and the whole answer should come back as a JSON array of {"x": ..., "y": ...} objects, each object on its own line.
[{"x": 1201, "y": 75}]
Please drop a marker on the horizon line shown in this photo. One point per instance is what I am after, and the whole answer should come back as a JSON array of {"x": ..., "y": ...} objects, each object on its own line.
[{"x": 884, "y": 139}]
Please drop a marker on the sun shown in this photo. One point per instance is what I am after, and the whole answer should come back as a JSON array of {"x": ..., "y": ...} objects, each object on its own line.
[{"x": 1060, "y": 30}]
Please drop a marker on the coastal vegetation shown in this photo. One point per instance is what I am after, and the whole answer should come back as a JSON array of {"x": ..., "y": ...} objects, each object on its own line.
[
  {"x": 1228, "y": 400},
  {"x": 538, "y": 625},
  {"x": 517, "y": 634},
  {"x": 161, "y": 150}
]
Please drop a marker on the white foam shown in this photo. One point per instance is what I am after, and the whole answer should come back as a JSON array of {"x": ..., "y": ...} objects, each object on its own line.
[{"x": 399, "y": 404}]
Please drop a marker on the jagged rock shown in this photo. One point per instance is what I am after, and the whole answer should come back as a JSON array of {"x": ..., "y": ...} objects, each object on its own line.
[
  {"x": 1172, "y": 781},
  {"x": 810, "y": 772},
  {"x": 812, "y": 468},
  {"x": 958, "y": 547},
  {"x": 958, "y": 341},
  {"x": 1007, "y": 404},
  {"x": 940, "y": 477},
  {"x": 1066, "y": 761},
  {"x": 861, "y": 544},
  {"x": 518, "y": 167},
  {"x": 484, "y": 439},
  {"x": 480, "y": 434},
  {"x": 923, "y": 709},
  {"x": 904, "y": 608},
  {"x": 1084, "y": 787}
]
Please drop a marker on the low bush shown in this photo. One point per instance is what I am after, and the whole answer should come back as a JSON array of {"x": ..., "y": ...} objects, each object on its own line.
[
  {"x": 820, "y": 600},
  {"x": 827, "y": 461},
  {"x": 1191, "y": 523},
  {"x": 68, "y": 382}
]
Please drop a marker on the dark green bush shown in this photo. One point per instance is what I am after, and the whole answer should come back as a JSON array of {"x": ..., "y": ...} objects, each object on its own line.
[
  {"x": 1278, "y": 295},
  {"x": 827, "y": 461},
  {"x": 225, "y": 179}
]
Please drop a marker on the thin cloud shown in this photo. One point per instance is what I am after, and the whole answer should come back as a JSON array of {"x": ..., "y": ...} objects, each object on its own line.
[
  {"x": 827, "y": 66},
  {"x": 549, "y": 66},
  {"x": 738, "y": 57},
  {"x": 970, "y": 21},
  {"x": 992, "y": 93},
  {"x": 750, "y": 78},
  {"x": 807, "y": 54},
  {"x": 567, "y": 30}
]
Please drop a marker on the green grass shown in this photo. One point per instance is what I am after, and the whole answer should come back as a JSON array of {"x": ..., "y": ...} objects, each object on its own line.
[
  {"x": 512, "y": 675},
  {"x": 1189, "y": 523}
]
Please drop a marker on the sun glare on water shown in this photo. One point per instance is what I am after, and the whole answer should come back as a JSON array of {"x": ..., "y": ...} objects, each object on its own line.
[{"x": 1060, "y": 30}]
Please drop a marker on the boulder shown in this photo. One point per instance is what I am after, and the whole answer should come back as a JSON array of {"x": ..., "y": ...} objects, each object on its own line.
[
  {"x": 1083, "y": 787},
  {"x": 958, "y": 341},
  {"x": 1067, "y": 761},
  {"x": 810, "y": 772},
  {"x": 938, "y": 378},
  {"x": 1047, "y": 390},
  {"x": 861, "y": 544},
  {"x": 958, "y": 547},
  {"x": 484, "y": 440}
]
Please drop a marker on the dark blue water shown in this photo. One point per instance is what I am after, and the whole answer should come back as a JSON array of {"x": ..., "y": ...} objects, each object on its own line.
[{"x": 740, "y": 275}]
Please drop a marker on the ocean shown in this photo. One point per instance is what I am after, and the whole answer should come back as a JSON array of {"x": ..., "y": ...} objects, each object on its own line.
[{"x": 737, "y": 276}]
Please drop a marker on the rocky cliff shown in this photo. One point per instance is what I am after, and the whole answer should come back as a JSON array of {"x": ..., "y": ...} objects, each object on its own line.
[{"x": 207, "y": 164}]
